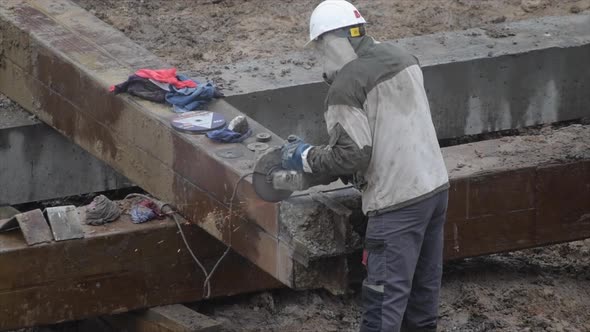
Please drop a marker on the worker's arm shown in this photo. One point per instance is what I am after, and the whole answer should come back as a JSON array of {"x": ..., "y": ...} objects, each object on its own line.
[{"x": 349, "y": 148}]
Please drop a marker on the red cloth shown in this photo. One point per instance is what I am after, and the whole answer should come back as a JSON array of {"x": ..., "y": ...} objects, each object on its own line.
[
  {"x": 152, "y": 206},
  {"x": 166, "y": 76}
]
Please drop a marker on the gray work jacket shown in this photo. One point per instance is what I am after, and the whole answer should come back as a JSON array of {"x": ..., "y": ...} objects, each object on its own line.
[{"x": 381, "y": 130}]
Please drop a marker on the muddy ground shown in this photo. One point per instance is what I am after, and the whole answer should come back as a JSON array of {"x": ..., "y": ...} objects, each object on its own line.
[
  {"x": 194, "y": 34},
  {"x": 544, "y": 289}
]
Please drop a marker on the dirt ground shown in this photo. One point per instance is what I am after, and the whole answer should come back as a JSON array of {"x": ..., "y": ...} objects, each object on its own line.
[
  {"x": 545, "y": 289},
  {"x": 194, "y": 34}
]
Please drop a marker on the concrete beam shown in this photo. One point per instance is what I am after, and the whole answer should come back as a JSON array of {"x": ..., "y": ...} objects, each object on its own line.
[
  {"x": 506, "y": 194},
  {"x": 39, "y": 164},
  {"x": 58, "y": 61},
  {"x": 116, "y": 268},
  {"x": 480, "y": 80}
]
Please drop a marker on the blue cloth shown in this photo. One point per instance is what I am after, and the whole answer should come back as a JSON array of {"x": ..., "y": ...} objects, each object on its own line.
[
  {"x": 228, "y": 136},
  {"x": 291, "y": 154},
  {"x": 140, "y": 214},
  {"x": 190, "y": 99}
]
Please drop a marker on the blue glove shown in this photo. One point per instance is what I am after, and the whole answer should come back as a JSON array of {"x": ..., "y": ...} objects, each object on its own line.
[{"x": 292, "y": 152}]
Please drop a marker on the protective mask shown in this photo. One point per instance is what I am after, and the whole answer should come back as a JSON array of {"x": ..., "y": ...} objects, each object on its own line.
[{"x": 336, "y": 52}]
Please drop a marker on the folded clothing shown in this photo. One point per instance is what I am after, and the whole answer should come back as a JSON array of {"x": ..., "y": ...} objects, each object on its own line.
[
  {"x": 142, "y": 88},
  {"x": 182, "y": 92},
  {"x": 166, "y": 76},
  {"x": 190, "y": 99}
]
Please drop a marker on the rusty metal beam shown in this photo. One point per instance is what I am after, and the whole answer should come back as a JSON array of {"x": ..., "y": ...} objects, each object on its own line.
[
  {"x": 57, "y": 61},
  {"x": 518, "y": 209},
  {"x": 116, "y": 268}
]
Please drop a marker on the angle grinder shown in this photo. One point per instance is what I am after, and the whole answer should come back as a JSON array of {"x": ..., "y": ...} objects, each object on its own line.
[{"x": 273, "y": 183}]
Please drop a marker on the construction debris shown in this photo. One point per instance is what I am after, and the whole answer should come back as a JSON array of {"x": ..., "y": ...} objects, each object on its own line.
[
  {"x": 65, "y": 222},
  {"x": 34, "y": 227},
  {"x": 101, "y": 211}
]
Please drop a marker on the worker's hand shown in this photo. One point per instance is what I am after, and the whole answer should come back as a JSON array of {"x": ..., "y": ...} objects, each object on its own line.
[{"x": 292, "y": 151}]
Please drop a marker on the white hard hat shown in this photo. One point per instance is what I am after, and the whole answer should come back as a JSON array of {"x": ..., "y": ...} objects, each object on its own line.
[{"x": 332, "y": 15}]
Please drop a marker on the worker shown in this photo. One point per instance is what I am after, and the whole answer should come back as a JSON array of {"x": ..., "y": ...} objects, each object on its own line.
[{"x": 382, "y": 139}]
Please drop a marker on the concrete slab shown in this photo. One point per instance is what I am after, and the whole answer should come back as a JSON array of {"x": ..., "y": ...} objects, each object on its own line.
[
  {"x": 116, "y": 268},
  {"x": 38, "y": 163},
  {"x": 479, "y": 80}
]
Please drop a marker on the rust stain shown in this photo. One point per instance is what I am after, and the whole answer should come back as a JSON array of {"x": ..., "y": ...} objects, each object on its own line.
[{"x": 95, "y": 107}]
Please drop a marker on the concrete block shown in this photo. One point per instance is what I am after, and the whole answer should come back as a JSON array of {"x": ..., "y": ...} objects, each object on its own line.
[
  {"x": 477, "y": 80},
  {"x": 38, "y": 163}
]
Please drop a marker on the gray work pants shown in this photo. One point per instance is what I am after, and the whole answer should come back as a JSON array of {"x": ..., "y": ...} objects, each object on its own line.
[{"x": 404, "y": 267}]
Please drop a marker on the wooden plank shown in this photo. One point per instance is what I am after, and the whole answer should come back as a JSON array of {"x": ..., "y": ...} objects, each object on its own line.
[
  {"x": 65, "y": 222},
  {"x": 116, "y": 268},
  {"x": 34, "y": 227},
  {"x": 170, "y": 318}
]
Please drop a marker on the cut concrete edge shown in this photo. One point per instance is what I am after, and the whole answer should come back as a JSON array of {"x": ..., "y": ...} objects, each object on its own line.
[{"x": 317, "y": 238}]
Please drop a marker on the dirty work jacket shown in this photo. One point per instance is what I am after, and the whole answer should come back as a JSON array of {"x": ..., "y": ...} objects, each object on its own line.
[{"x": 381, "y": 130}]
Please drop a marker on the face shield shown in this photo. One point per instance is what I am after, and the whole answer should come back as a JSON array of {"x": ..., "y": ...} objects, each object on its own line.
[{"x": 336, "y": 51}]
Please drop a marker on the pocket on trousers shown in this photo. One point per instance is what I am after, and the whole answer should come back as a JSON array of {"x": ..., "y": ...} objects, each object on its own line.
[
  {"x": 376, "y": 267},
  {"x": 372, "y": 297}
]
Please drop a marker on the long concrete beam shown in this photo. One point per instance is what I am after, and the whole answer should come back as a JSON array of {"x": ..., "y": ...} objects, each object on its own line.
[
  {"x": 39, "y": 164},
  {"x": 58, "y": 61},
  {"x": 498, "y": 77},
  {"x": 116, "y": 268},
  {"x": 495, "y": 52}
]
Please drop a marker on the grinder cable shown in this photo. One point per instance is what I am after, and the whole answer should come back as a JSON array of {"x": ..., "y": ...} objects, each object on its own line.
[{"x": 208, "y": 275}]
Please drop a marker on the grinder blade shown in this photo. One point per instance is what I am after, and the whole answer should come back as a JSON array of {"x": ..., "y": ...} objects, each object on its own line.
[{"x": 268, "y": 163}]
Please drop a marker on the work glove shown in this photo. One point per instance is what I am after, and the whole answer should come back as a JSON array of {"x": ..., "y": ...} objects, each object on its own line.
[{"x": 291, "y": 153}]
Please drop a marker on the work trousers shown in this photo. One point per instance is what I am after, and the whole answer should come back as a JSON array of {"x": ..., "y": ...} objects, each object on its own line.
[{"x": 404, "y": 267}]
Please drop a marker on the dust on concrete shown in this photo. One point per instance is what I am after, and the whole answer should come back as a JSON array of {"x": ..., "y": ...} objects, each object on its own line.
[
  {"x": 193, "y": 35},
  {"x": 535, "y": 146},
  {"x": 543, "y": 289}
]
